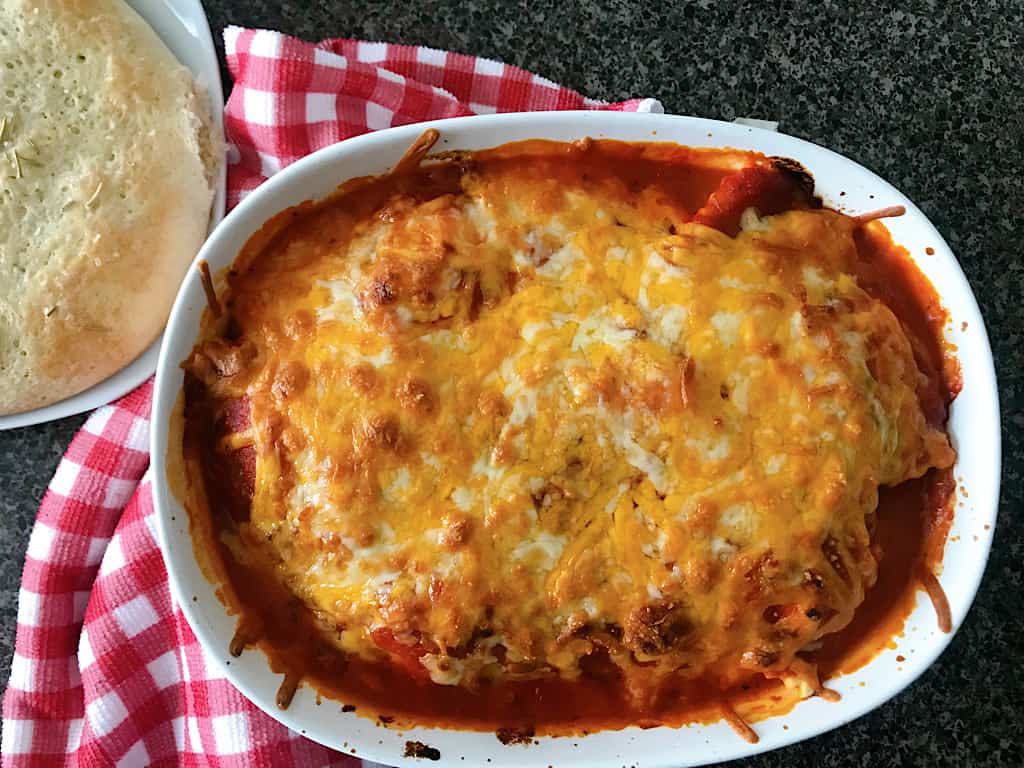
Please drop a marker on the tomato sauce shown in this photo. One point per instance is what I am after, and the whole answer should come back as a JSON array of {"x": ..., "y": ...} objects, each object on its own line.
[{"x": 913, "y": 518}]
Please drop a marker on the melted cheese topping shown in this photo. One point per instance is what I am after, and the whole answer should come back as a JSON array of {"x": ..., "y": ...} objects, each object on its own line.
[{"x": 525, "y": 419}]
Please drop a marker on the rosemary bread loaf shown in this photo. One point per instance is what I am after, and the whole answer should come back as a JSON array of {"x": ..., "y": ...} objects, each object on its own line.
[{"x": 107, "y": 168}]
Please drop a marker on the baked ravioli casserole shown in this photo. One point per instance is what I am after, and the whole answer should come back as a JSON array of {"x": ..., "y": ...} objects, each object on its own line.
[{"x": 564, "y": 436}]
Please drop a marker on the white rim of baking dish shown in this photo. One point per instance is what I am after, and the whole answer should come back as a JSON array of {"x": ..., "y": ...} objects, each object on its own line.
[
  {"x": 183, "y": 27},
  {"x": 974, "y": 427}
]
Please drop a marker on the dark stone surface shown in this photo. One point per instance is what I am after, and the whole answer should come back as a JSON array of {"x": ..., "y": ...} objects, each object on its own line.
[{"x": 930, "y": 96}]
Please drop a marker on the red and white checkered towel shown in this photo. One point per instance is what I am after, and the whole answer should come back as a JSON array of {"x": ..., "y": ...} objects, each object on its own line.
[{"x": 106, "y": 670}]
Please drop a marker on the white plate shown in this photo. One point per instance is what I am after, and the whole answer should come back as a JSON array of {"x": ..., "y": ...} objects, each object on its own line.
[
  {"x": 183, "y": 27},
  {"x": 973, "y": 424}
]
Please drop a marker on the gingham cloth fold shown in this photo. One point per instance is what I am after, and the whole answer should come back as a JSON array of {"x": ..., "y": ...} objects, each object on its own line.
[{"x": 106, "y": 670}]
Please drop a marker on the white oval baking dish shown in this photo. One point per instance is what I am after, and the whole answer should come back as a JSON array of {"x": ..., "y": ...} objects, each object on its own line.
[{"x": 974, "y": 426}]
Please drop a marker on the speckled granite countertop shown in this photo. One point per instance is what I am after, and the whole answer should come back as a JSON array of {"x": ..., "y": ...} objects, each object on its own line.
[{"x": 929, "y": 96}]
